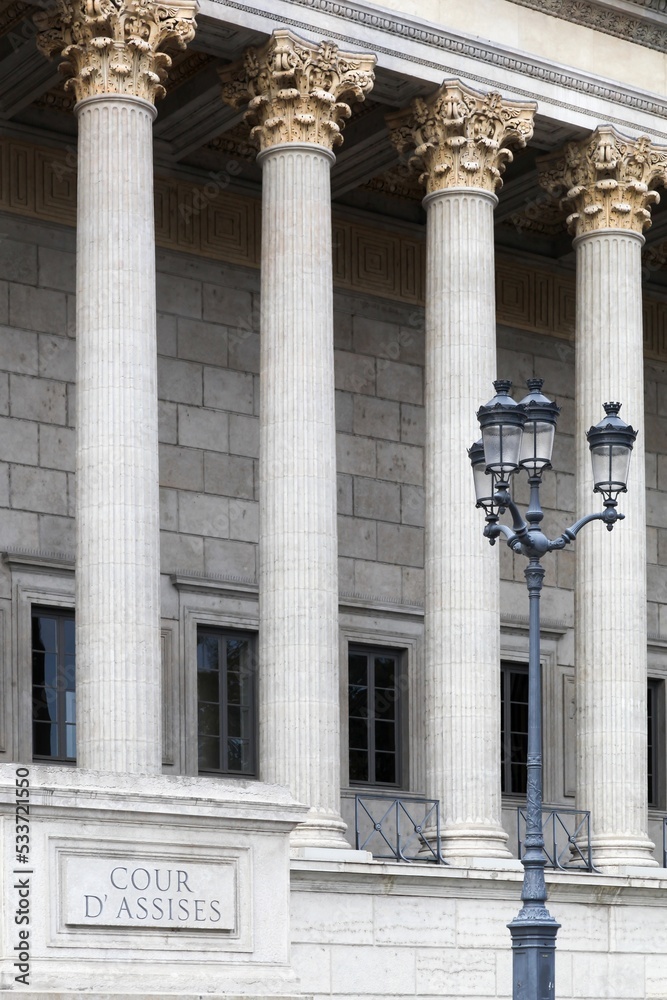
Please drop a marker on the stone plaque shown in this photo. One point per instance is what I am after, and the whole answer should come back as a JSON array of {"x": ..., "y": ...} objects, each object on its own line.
[{"x": 163, "y": 893}]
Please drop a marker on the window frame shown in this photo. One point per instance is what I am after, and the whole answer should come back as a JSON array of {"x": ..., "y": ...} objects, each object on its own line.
[
  {"x": 60, "y": 615},
  {"x": 223, "y": 632},
  {"x": 507, "y": 668},
  {"x": 655, "y": 747},
  {"x": 399, "y": 655}
]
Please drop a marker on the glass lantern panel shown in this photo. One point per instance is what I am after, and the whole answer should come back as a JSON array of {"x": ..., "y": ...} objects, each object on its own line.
[
  {"x": 537, "y": 444},
  {"x": 610, "y": 467},
  {"x": 483, "y": 483},
  {"x": 502, "y": 444}
]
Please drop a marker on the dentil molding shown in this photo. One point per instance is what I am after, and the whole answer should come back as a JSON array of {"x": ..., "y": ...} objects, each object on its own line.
[{"x": 211, "y": 222}]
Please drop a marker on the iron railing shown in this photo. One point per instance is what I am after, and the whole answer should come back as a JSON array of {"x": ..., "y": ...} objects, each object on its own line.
[
  {"x": 395, "y": 829},
  {"x": 567, "y": 838}
]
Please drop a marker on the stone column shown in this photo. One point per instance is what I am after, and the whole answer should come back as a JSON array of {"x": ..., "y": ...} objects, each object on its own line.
[
  {"x": 299, "y": 93},
  {"x": 458, "y": 139},
  {"x": 605, "y": 181},
  {"x": 114, "y": 67}
]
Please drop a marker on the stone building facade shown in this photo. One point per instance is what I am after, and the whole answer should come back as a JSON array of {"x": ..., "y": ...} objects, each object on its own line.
[{"x": 259, "y": 266}]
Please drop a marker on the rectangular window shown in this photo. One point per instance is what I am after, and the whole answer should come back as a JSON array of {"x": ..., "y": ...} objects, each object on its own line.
[
  {"x": 226, "y": 702},
  {"x": 513, "y": 727},
  {"x": 655, "y": 741},
  {"x": 53, "y": 685},
  {"x": 374, "y": 716}
]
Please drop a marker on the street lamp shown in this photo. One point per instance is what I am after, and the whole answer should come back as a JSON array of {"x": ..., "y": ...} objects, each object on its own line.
[{"x": 519, "y": 436}]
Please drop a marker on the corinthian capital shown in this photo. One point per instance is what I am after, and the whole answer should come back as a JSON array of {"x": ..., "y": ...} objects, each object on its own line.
[
  {"x": 297, "y": 91},
  {"x": 458, "y": 138},
  {"x": 607, "y": 180},
  {"x": 113, "y": 46}
]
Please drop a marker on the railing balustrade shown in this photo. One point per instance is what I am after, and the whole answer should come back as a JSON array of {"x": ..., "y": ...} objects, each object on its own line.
[
  {"x": 567, "y": 838},
  {"x": 396, "y": 829}
]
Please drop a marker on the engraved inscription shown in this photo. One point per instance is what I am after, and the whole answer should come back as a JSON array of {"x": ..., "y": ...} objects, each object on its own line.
[{"x": 163, "y": 893}]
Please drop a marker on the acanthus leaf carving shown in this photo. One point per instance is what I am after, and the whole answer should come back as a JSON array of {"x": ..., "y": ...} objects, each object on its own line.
[
  {"x": 459, "y": 138},
  {"x": 606, "y": 181},
  {"x": 114, "y": 46},
  {"x": 297, "y": 91}
]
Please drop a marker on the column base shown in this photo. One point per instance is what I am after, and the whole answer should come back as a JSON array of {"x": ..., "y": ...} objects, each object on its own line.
[
  {"x": 467, "y": 844},
  {"x": 320, "y": 830},
  {"x": 613, "y": 853}
]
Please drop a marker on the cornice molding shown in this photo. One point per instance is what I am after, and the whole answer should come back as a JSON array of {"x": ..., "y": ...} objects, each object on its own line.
[
  {"x": 640, "y": 28},
  {"x": 413, "y": 30}
]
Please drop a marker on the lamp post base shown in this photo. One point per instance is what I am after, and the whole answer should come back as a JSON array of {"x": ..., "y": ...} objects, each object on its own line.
[{"x": 533, "y": 954}]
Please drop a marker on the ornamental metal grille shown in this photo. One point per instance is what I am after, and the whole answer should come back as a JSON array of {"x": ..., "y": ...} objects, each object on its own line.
[
  {"x": 395, "y": 829},
  {"x": 567, "y": 838}
]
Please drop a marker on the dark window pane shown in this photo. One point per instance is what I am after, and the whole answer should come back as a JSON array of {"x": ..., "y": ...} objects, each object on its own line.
[
  {"x": 237, "y": 654},
  {"x": 238, "y": 755},
  {"x": 45, "y": 739},
  {"x": 45, "y": 630},
  {"x": 359, "y": 734},
  {"x": 385, "y": 767},
  {"x": 37, "y": 667},
  {"x": 358, "y": 702},
  {"x": 40, "y": 706},
  {"x": 518, "y": 686},
  {"x": 207, "y": 652},
  {"x": 385, "y": 703},
  {"x": 70, "y": 741},
  {"x": 519, "y": 717},
  {"x": 385, "y": 736},
  {"x": 208, "y": 686},
  {"x": 209, "y": 719},
  {"x": 233, "y": 687},
  {"x": 519, "y": 779},
  {"x": 358, "y": 669},
  {"x": 69, "y": 673},
  {"x": 358, "y": 765},
  {"x": 209, "y": 753},
  {"x": 69, "y": 633},
  {"x": 385, "y": 671},
  {"x": 50, "y": 669}
]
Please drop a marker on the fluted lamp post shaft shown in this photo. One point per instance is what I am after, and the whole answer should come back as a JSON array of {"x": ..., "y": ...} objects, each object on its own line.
[{"x": 519, "y": 436}]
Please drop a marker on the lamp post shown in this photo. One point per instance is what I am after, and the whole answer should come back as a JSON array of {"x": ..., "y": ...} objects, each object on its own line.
[{"x": 519, "y": 436}]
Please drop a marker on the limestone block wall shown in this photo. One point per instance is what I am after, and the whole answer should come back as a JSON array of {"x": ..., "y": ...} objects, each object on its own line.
[
  {"x": 441, "y": 932},
  {"x": 208, "y": 343}
]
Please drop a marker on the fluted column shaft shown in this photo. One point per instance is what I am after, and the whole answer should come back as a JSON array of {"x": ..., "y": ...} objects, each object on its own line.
[
  {"x": 117, "y": 562},
  {"x": 462, "y": 710},
  {"x": 611, "y": 567},
  {"x": 298, "y": 575}
]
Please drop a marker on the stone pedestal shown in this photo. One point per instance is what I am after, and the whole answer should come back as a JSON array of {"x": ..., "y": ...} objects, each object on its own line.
[{"x": 147, "y": 886}]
